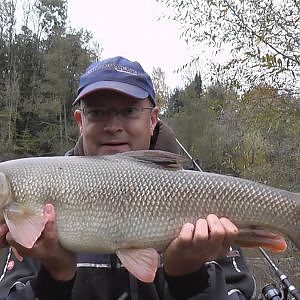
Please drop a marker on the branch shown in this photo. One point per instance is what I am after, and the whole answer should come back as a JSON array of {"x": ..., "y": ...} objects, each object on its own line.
[{"x": 250, "y": 30}]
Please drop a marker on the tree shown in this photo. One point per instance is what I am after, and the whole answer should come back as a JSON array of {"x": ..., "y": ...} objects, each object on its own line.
[
  {"x": 64, "y": 61},
  {"x": 254, "y": 135},
  {"x": 264, "y": 38},
  {"x": 195, "y": 115},
  {"x": 174, "y": 103},
  {"x": 52, "y": 16},
  {"x": 39, "y": 72},
  {"x": 268, "y": 148},
  {"x": 161, "y": 88},
  {"x": 198, "y": 84},
  {"x": 9, "y": 93}
]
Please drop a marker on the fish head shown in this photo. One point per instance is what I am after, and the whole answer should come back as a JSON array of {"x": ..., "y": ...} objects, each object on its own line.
[{"x": 5, "y": 194}]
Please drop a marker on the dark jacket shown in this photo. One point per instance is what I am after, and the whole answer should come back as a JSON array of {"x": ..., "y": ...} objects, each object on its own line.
[{"x": 101, "y": 276}]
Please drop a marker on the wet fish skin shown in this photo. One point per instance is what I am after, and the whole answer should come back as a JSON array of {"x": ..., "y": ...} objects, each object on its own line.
[{"x": 130, "y": 200}]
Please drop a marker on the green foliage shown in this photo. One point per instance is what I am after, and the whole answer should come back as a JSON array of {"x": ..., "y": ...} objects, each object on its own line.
[
  {"x": 26, "y": 143},
  {"x": 262, "y": 35},
  {"x": 40, "y": 70},
  {"x": 270, "y": 125},
  {"x": 52, "y": 15},
  {"x": 161, "y": 88},
  {"x": 254, "y": 135},
  {"x": 195, "y": 123}
]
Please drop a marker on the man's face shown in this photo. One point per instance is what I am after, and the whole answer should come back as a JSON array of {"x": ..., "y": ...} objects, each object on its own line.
[{"x": 109, "y": 125}]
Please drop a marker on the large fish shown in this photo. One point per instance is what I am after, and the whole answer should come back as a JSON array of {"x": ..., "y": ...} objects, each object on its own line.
[{"x": 132, "y": 203}]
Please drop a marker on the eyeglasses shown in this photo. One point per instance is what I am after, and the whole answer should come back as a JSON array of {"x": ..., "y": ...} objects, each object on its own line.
[{"x": 97, "y": 114}]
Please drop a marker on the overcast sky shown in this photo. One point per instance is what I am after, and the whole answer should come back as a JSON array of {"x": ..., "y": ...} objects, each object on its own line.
[{"x": 131, "y": 28}]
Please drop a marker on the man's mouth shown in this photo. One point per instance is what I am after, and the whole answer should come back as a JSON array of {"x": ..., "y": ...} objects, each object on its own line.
[
  {"x": 112, "y": 144},
  {"x": 114, "y": 147}
]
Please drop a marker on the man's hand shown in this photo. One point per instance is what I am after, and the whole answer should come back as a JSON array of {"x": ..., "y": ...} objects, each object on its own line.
[
  {"x": 209, "y": 239},
  {"x": 60, "y": 263}
]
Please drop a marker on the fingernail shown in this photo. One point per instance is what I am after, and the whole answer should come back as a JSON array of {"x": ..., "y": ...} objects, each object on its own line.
[{"x": 48, "y": 208}]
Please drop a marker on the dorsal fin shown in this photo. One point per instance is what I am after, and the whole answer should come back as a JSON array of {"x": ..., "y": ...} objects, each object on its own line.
[{"x": 162, "y": 158}]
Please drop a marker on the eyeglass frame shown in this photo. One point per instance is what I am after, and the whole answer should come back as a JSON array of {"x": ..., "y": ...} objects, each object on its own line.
[{"x": 118, "y": 113}]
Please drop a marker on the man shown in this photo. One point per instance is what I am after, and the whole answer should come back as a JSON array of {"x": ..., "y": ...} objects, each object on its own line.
[{"x": 117, "y": 112}]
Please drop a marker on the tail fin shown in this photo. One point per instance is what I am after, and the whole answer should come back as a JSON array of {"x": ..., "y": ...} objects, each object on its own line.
[
  {"x": 261, "y": 237},
  {"x": 266, "y": 238}
]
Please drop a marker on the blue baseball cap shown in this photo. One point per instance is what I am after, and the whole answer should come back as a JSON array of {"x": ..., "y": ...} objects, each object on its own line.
[{"x": 117, "y": 74}]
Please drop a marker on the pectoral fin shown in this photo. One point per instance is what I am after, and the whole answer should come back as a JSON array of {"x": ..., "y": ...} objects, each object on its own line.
[
  {"x": 142, "y": 263},
  {"x": 24, "y": 226},
  {"x": 261, "y": 237}
]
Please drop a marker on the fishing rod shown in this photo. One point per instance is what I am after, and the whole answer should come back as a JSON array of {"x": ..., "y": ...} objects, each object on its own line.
[
  {"x": 188, "y": 155},
  {"x": 288, "y": 286},
  {"x": 270, "y": 291}
]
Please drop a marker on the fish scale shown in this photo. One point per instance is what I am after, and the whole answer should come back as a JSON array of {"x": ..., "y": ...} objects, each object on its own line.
[{"x": 139, "y": 200}]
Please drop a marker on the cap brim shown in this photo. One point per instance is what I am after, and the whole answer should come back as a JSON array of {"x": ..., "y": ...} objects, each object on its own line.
[{"x": 121, "y": 87}]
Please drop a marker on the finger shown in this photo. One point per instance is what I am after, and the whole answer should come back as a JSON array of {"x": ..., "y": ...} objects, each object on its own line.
[
  {"x": 230, "y": 229},
  {"x": 201, "y": 232},
  {"x": 9, "y": 239},
  {"x": 50, "y": 231},
  {"x": 49, "y": 213},
  {"x": 217, "y": 231},
  {"x": 186, "y": 234}
]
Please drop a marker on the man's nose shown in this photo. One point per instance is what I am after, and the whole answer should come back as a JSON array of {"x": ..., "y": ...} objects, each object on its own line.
[{"x": 113, "y": 122}]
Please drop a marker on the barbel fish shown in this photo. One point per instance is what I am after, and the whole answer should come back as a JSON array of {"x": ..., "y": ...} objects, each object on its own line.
[{"x": 132, "y": 203}]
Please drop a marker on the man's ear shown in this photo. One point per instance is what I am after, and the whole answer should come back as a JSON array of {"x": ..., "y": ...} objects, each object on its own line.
[
  {"x": 78, "y": 119},
  {"x": 154, "y": 118}
]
